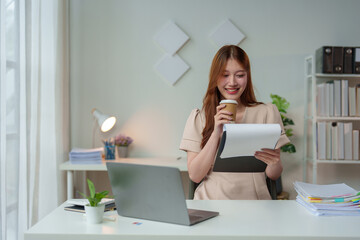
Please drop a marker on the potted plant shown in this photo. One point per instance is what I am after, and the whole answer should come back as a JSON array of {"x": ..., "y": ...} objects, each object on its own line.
[
  {"x": 95, "y": 209},
  {"x": 122, "y": 143},
  {"x": 282, "y": 104}
]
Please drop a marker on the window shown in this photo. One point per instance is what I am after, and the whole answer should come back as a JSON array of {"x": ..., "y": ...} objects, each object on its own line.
[{"x": 11, "y": 85}]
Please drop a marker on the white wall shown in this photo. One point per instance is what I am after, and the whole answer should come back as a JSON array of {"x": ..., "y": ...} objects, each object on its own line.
[{"x": 113, "y": 54}]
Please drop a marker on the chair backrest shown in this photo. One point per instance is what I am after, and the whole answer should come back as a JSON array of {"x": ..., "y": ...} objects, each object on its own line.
[{"x": 271, "y": 185}]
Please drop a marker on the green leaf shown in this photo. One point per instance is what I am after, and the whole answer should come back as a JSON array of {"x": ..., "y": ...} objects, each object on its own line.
[
  {"x": 91, "y": 188},
  {"x": 280, "y": 102},
  {"x": 82, "y": 194},
  {"x": 103, "y": 194},
  {"x": 290, "y": 148},
  {"x": 288, "y": 132},
  {"x": 287, "y": 121},
  {"x": 96, "y": 202},
  {"x": 92, "y": 202}
]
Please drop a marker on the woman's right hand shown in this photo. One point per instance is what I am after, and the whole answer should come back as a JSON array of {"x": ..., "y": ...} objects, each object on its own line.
[{"x": 221, "y": 117}]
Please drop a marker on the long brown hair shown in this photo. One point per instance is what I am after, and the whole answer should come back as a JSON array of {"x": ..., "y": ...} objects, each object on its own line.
[{"x": 212, "y": 96}]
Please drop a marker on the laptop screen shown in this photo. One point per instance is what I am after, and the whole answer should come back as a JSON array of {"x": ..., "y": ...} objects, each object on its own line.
[{"x": 148, "y": 192}]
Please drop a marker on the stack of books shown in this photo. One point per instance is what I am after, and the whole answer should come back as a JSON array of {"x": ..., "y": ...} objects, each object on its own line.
[
  {"x": 331, "y": 200},
  {"x": 86, "y": 156}
]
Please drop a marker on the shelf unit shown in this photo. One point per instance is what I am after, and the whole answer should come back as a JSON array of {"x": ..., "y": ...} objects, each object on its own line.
[{"x": 311, "y": 118}]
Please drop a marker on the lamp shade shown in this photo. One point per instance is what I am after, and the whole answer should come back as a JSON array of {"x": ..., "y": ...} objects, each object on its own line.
[{"x": 105, "y": 122}]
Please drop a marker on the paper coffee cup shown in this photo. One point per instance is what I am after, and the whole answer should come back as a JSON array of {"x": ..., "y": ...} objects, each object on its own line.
[{"x": 231, "y": 107}]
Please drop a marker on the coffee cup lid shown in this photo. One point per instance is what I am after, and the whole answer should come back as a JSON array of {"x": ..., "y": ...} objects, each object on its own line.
[{"x": 228, "y": 101}]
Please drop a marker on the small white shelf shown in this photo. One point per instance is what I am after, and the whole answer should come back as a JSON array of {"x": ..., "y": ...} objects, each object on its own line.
[
  {"x": 323, "y": 75},
  {"x": 337, "y": 118},
  {"x": 338, "y": 161}
]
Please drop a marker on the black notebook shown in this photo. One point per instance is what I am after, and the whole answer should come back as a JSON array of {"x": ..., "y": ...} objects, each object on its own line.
[{"x": 79, "y": 208}]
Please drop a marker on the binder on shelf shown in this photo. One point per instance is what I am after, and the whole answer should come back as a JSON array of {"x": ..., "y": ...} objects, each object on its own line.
[
  {"x": 356, "y": 53},
  {"x": 355, "y": 136},
  {"x": 321, "y": 99},
  {"x": 327, "y": 99},
  {"x": 344, "y": 98},
  {"x": 331, "y": 98},
  {"x": 321, "y": 140},
  {"x": 348, "y": 143},
  {"x": 341, "y": 142},
  {"x": 337, "y": 98},
  {"x": 324, "y": 59},
  {"x": 334, "y": 141},
  {"x": 352, "y": 101},
  {"x": 328, "y": 141},
  {"x": 348, "y": 60},
  {"x": 338, "y": 60}
]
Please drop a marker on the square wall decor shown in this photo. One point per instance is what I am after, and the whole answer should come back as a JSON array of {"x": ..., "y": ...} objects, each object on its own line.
[
  {"x": 171, "y": 68},
  {"x": 171, "y": 38},
  {"x": 227, "y": 33}
]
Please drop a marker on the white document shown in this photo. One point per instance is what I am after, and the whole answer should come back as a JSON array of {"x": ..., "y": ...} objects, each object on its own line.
[
  {"x": 330, "y": 211},
  {"x": 86, "y": 153},
  {"x": 246, "y": 139},
  {"x": 324, "y": 191}
]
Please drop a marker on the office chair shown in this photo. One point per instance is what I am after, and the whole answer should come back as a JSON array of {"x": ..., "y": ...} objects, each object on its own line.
[{"x": 271, "y": 185}]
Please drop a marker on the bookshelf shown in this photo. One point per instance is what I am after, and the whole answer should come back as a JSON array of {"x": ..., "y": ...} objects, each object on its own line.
[{"x": 311, "y": 117}]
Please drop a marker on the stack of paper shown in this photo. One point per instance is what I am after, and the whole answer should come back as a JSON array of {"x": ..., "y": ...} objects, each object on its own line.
[
  {"x": 332, "y": 199},
  {"x": 86, "y": 156}
]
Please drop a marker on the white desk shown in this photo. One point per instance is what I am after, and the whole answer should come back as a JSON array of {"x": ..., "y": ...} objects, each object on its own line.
[
  {"x": 237, "y": 220},
  {"x": 181, "y": 164}
]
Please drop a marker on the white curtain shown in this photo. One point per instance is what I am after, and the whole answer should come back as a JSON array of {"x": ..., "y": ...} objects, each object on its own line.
[{"x": 34, "y": 109}]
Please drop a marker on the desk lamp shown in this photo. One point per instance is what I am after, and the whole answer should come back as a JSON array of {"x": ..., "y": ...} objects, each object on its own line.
[{"x": 105, "y": 122}]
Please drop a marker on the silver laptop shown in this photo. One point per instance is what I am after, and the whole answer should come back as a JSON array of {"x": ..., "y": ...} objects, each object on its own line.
[{"x": 152, "y": 192}]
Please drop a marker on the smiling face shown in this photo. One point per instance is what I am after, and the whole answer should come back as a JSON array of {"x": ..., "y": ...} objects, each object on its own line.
[{"x": 232, "y": 82}]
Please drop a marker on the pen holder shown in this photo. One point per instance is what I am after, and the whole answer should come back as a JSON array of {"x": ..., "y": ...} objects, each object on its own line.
[{"x": 109, "y": 152}]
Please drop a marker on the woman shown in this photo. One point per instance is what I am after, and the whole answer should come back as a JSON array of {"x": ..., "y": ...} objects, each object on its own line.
[{"x": 230, "y": 78}]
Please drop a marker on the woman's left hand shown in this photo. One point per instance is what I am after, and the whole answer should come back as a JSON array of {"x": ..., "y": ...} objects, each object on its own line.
[{"x": 268, "y": 156}]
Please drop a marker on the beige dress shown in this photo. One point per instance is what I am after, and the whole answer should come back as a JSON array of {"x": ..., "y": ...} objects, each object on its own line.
[{"x": 217, "y": 185}]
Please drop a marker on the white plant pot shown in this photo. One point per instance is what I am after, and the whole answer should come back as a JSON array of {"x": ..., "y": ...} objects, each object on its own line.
[
  {"x": 94, "y": 214},
  {"x": 122, "y": 151}
]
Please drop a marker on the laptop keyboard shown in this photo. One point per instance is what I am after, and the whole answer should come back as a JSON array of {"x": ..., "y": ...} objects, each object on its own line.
[{"x": 194, "y": 218}]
